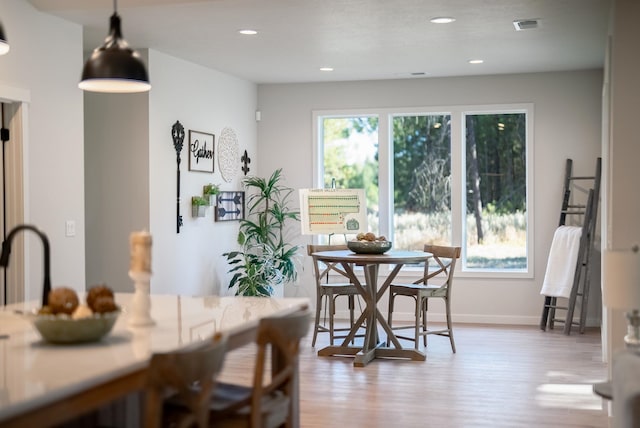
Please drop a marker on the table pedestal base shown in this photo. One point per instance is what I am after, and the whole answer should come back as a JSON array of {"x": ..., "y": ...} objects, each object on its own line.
[{"x": 380, "y": 351}]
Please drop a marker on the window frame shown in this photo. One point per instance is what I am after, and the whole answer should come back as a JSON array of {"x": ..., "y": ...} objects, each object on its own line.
[{"x": 458, "y": 168}]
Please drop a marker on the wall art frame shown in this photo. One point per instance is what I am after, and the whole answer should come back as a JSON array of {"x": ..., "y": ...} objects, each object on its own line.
[
  {"x": 201, "y": 151},
  {"x": 230, "y": 206}
]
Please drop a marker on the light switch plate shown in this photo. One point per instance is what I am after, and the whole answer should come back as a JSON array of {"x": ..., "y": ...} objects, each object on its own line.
[{"x": 70, "y": 228}]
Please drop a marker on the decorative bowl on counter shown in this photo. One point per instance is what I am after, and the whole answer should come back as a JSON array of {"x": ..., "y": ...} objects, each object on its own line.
[
  {"x": 369, "y": 247},
  {"x": 62, "y": 329}
]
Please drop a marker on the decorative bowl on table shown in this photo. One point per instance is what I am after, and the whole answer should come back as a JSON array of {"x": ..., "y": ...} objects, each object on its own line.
[
  {"x": 369, "y": 247},
  {"x": 63, "y": 329},
  {"x": 64, "y": 320}
]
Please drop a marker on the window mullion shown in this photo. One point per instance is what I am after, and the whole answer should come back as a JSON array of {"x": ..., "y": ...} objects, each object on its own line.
[
  {"x": 385, "y": 176},
  {"x": 457, "y": 177}
]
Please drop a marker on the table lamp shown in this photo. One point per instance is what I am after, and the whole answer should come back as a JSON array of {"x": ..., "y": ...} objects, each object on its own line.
[{"x": 621, "y": 290}]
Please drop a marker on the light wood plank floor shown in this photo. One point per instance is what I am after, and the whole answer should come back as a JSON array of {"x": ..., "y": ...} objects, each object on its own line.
[{"x": 517, "y": 376}]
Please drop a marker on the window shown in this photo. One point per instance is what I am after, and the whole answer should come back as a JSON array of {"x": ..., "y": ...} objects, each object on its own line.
[
  {"x": 459, "y": 176},
  {"x": 496, "y": 192},
  {"x": 421, "y": 180},
  {"x": 350, "y": 159}
]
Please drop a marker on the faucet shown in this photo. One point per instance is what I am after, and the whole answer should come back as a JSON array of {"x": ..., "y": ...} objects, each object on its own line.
[{"x": 6, "y": 251}]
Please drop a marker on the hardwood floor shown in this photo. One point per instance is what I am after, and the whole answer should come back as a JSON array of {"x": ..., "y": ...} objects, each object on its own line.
[{"x": 516, "y": 376}]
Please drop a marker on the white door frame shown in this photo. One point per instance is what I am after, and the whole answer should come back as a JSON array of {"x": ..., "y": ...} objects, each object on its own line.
[{"x": 16, "y": 102}]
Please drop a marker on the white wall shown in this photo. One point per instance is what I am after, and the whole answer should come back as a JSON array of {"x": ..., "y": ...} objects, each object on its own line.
[
  {"x": 116, "y": 182},
  {"x": 190, "y": 262},
  {"x": 567, "y": 125},
  {"x": 45, "y": 63},
  {"x": 131, "y": 175}
]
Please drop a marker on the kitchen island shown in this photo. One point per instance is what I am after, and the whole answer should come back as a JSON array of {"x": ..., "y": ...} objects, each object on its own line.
[{"x": 45, "y": 384}]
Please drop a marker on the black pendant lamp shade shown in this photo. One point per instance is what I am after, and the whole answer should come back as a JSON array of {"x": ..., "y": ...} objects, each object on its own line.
[
  {"x": 4, "y": 44},
  {"x": 114, "y": 66}
]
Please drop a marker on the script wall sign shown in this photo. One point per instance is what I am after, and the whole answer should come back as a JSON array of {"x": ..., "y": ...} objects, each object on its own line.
[{"x": 201, "y": 151}]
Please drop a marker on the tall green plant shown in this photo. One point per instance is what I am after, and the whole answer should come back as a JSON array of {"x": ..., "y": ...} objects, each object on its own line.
[{"x": 265, "y": 258}]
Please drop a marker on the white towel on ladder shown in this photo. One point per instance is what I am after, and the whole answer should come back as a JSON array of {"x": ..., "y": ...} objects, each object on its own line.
[{"x": 563, "y": 258}]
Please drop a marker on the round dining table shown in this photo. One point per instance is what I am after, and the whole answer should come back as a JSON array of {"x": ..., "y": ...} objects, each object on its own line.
[{"x": 372, "y": 347}]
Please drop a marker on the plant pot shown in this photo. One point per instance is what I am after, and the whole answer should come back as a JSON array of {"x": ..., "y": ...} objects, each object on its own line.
[
  {"x": 212, "y": 200},
  {"x": 198, "y": 210}
]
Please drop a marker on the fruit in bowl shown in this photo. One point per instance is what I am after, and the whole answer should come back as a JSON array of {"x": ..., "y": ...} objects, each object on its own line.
[
  {"x": 369, "y": 243},
  {"x": 64, "y": 320}
]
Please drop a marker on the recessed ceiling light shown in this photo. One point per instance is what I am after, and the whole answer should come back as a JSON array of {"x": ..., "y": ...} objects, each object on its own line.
[
  {"x": 326, "y": 68},
  {"x": 476, "y": 61},
  {"x": 248, "y": 32},
  {"x": 442, "y": 20}
]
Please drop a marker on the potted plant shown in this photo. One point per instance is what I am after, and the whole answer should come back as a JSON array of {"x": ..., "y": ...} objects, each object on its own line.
[
  {"x": 209, "y": 191},
  {"x": 265, "y": 258},
  {"x": 198, "y": 206}
]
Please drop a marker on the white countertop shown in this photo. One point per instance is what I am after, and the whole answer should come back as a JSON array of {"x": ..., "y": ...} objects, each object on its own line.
[{"x": 34, "y": 372}]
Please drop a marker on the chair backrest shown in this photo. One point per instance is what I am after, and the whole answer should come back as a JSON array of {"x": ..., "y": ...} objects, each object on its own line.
[
  {"x": 190, "y": 373},
  {"x": 445, "y": 260},
  {"x": 323, "y": 269},
  {"x": 282, "y": 336}
]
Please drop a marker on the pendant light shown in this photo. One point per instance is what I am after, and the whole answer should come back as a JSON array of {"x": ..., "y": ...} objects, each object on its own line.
[
  {"x": 4, "y": 44},
  {"x": 114, "y": 66}
]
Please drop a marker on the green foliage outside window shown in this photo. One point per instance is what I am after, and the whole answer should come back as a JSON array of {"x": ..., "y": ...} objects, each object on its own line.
[{"x": 494, "y": 178}]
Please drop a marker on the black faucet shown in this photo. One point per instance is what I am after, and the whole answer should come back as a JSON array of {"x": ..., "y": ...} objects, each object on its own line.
[{"x": 6, "y": 251}]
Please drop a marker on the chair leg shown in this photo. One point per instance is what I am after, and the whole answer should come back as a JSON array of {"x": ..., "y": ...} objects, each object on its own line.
[
  {"x": 389, "y": 321},
  {"x": 425, "y": 309},
  {"x": 417, "y": 324},
  {"x": 352, "y": 307},
  {"x": 317, "y": 323},
  {"x": 332, "y": 313},
  {"x": 450, "y": 326}
]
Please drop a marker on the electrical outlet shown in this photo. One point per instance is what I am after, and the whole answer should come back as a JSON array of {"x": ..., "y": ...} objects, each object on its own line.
[{"x": 70, "y": 228}]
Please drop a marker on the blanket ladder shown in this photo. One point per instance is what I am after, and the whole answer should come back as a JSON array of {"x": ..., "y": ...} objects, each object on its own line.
[{"x": 581, "y": 280}]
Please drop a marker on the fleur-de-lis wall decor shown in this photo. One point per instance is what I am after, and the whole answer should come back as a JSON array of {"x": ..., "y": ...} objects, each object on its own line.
[{"x": 245, "y": 162}]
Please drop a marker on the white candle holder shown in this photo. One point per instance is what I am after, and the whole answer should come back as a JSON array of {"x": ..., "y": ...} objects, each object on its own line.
[{"x": 140, "y": 311}]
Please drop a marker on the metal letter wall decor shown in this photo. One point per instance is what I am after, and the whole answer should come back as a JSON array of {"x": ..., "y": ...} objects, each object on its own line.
[{"x": 177, "y": 133}]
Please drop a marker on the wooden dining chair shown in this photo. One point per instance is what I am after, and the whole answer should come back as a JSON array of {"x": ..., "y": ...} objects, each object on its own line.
[
  {"x": 424, "y": 289},
  {"x": 327, "y": 293},
  {"x": 271, "y": 400},
  {"x": 180, "y": 384}
]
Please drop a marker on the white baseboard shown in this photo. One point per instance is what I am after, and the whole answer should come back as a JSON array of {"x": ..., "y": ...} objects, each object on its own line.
[{"x": 472, "y": 318}]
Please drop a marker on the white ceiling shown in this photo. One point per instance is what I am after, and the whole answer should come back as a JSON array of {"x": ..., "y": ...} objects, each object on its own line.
[{"x": 360, "y": 39}]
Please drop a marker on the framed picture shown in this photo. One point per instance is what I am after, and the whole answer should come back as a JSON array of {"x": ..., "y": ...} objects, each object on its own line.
[
  {"x": 201, "y": 147},
  {"x": 229, "y": 206}
]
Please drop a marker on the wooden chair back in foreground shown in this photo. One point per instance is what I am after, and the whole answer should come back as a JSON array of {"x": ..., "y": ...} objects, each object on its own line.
[
  {"x": 327, "y": 293},
  {"x": 186, "y": 376},
  {"x": 423, "y": 289},
  {"x": 273, "y": 399}
]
